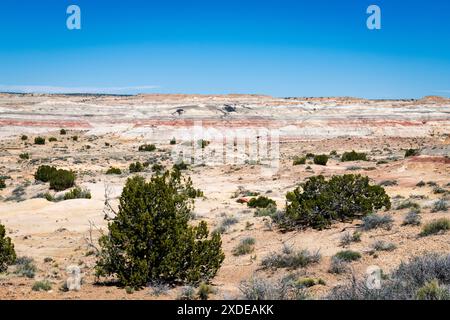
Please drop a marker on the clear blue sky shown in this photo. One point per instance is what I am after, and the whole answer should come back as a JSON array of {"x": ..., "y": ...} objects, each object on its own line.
[{"x": 277, "y": 47}]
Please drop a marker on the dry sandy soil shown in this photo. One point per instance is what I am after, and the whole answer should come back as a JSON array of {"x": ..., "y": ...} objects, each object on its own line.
[{"x": 110, "y": 129}]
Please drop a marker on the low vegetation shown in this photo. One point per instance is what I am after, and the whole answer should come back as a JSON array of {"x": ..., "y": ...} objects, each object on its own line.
[
  {"x": 136, "y": 167},
  {"x": 245, "y": 246},
  {"x": 348, "y": 238},
  {"x": 435, "y": 226},
  {"x": 412, "y": 218},
  {"x": 260, "y": 202},
  {"x": 2, "y": 183},
  {"x": 422, "y": 277},
  {"x": 286, "y": 288},
  {"x": 299, "y": 160},
  {"x": 25, "y": 267},
  {"x": 318, "y": 202},
  {"x": 354, "y": 156},
  {"x": 375, "y": 221},
  {"x": 440, "y": 205},
  {"x": 269, "y": 211},
  {"x": 290, "y": 258},
  {"x": 113, "y": 170},
  {"x": 180, "y": 166},
  {"x": 321, "y": 159},
  {"x": 39, "y": 140},
  {"x": 204, "y": 290},
  {"x": 348, "y": 255},
  {"x": 24, "y": 156},
  {"x": 407, "y": 204},
  {"x": 43, "y": 285},
  {"x": 147, "y": 148},
  {"x": 381, "y": 245},
  {"x": 77, "y": 193}
]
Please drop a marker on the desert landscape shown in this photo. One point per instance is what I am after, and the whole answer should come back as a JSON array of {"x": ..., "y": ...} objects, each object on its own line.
[{"x": 405, "y": 143}]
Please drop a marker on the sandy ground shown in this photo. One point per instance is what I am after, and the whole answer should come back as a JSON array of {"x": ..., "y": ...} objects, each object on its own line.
[{"x": 58, "y": 230}]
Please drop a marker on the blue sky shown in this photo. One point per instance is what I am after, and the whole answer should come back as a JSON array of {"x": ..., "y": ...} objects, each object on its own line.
[{"x": 277, "y": 47}]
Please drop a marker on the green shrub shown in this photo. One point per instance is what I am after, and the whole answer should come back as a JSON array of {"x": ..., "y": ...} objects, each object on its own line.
[
  {"x": 157, "y": 168},
  {"x": 24, "y": 156},
  {"x": 24, "y": 137},
  {"x": 136, "y": 167},
  {"x": 173, "y": 141},
  {"x": 75, "y": 138},
  {"x": 62, "y": 132},
  {"x": 7, "y": 252},
  {"x": 411, "y": 153},
  {"x": 2, "y": 183},
  {"x": 321, "y": 159},
  {"x": 44, "y": 173},
  {"x": 318, "y": 202},
  {"x": 147, "y": 147},
  {"x": 44, "y": 285},
  {"x": 299, "y": 160},
  {"x": 77, "y": 193},
  {"x": 180, "y": 166},
  {"x": 151, "y": 240},
  {"x": 204, "y": 290},
  {"x": 310, "y": 155},
  {"x": 290, "y": 258},
  {"x": 348, "y": 255},
  {"x": 62, "y": 180},
  {"x": 260, "y": 202},
  {"x": 354, "y": 156},
  {"x": 47, "y": 196},
  {"x": 245, "y": 246},
  {"x": 25, "y": 267},
  {"x": 435, "y": 227},
  {"x": 39, "y": 140},
  {"x": 52, "y": 139},
  {"x": 433, "y": 291},
  {"x": 113, "y": 170},
  {"x": 306, "y": 282}
]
